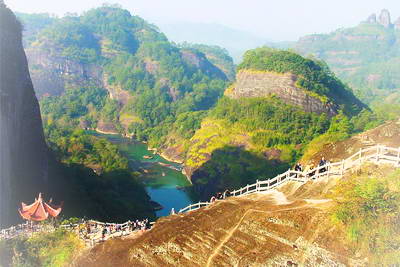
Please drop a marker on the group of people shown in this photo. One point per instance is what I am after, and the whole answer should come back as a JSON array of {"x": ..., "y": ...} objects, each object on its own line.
[
  {"x": 108, "y": 229},
  {"x": 220, "y": 196},
  {"x": 322, "y": 163},
  {"x": 25, "y": 228}
]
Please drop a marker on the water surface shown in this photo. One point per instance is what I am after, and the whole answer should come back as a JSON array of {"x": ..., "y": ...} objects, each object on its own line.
[{"x": 165, "y": 184}]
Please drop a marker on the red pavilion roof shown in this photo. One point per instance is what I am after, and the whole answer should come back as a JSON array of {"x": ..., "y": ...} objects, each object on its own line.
[{"x": 39, "y": 210}]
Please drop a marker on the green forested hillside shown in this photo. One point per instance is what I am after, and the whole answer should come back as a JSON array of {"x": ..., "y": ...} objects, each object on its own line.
[
  {"x": 120, "y": 71},
  {"x": 97, "y": 182},
  {"x": 217, "y": 55},
  {"x": 248, "y": 138},
  {"x": 366, "y": 56},
  {"x": 313, "y": 76},
  {"x": 120, "y": 74}
]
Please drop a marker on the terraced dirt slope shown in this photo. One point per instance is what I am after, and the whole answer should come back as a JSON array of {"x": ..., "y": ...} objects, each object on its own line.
[
  {"x": 387, "y": 134},
  {"x": 258, "y": 230}
]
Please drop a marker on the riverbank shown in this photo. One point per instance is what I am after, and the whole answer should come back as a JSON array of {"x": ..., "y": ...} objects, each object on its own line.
[{"x": 163, "y": 179}]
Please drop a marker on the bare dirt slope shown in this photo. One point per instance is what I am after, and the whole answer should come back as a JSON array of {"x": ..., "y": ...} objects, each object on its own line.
[
  {"x": 266, "y": 229},
  {"x": 387, "y": 134}
]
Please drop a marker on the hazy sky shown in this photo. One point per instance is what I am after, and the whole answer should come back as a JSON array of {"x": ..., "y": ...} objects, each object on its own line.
[{"x": 271, "y": 19}]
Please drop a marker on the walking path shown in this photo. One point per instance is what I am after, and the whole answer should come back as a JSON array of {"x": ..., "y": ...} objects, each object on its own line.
[
  {"x": 378, "y": 154},
  {"x": 94, "y": 232}
]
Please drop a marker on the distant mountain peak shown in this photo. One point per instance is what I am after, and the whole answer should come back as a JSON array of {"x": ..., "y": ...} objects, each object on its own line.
[
  {"x": 371, "y": 18},
  {"x": 384, "y": 18},
  {"x": 397, "y": 24}
]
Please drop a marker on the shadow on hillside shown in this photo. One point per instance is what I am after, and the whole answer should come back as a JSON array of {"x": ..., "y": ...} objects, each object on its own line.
[
  {"x": 114, "y": 196},
  {"x": 231, "y": 168}
]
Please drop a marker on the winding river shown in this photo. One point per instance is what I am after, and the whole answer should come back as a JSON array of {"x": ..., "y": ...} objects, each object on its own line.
[{"x": 164, "y": 182}]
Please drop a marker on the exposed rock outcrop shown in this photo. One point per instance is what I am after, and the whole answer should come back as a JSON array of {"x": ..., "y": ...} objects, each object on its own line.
[
  {"x": 371, "y": 19},
  {"x": 51, "y": 72},
  {"x": 199, "y": 60},
  {"x": 384, "y": 18},
  {"x": 263, "y": 84},
  {"x": 23, "y": 151},
  {"x": 397, "y": 24}
]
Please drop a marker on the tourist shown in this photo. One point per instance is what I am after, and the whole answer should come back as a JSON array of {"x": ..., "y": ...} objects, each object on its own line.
[
  {"x": 104, "y": 232},
  {"x": 227, "y": 193},
  {"x": 311, "y": 171},
  {"x": 322, "y": 163},
  {"x": 298, "y": 168},
  {"x": 88, "y": 228}
]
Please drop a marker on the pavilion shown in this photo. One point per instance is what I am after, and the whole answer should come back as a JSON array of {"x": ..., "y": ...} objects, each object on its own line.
[{"x": 39, "y": 210}]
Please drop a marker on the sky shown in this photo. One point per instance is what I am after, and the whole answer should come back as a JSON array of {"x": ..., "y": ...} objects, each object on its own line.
[{"x": 278, "y": 20}]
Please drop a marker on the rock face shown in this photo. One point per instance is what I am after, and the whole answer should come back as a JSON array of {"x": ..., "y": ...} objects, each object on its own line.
[
  {"x": 200, "y": 61},
  {"x": 384, "y": 18},
  {"x": 23, "y": 151},
  {"x": 371, "y": 19},
  {"x": 263, "y": 84},
  {"x": 51, "y": 72},
  {"x": 397, "y": 24}
]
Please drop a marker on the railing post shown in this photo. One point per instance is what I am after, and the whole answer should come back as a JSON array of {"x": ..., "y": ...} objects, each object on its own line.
[
  {"x": 398, "y": 157},
  {"x": 377, "y": 153},
  {"x": 257, "y": 186},
  {"x": 328, "y": 167},
  {"x": 342, "y": 168}
]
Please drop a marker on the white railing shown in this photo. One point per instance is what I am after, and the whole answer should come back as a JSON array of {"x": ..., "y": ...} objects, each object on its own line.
[
  {"x": 91, "y": 236},
  {"x": 377, "y": 154}
]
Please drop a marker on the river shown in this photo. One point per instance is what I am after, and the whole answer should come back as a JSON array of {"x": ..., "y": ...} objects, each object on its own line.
[{"x": 164, "y": 184}]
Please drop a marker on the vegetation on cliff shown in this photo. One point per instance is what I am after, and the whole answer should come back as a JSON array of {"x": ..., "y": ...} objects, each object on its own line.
[
  {"x": 157, "y": 80},
  {"x": 267, "y": 130},
  {"x": 78, "y": 147},
  {"x": 367, "y": 210},
  {"x": 217, "y": 55},
  {"x": 312, "y": 75},
  {"x": 365, "y": 56},
  {"x": 100, "y": 184},
  {"x": 55, "y": 249}
]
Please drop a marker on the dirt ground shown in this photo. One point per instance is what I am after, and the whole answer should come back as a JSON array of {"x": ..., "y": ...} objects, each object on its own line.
[
  {"x": 387, "y": 134},
  {"x": 288, "y": 227}
]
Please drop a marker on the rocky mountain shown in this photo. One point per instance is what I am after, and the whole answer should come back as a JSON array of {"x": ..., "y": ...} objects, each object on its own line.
[
  {"x": 263, "y": 84},
  {"x": 279, "y": 103},
  {"x": 366, "y": 56},
  {"x": 134, "y": 80},
  {"x": 117, "y": 73},
  {"x": 28, "y": 166},
  {"x": 216, "y": 55},
  {"x": 24, "y": 156}
]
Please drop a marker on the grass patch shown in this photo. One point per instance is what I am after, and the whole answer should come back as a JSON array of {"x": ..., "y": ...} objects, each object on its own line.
[
  {"x": 43, "y": 249},
  {"x": 368, "y": 210}
]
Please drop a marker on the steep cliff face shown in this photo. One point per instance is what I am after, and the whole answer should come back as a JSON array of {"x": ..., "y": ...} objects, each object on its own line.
[
  {"x": 263, "y": 84},
  {"x": 23, "y": 151},
  {"x": 52, "y": 73}
]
